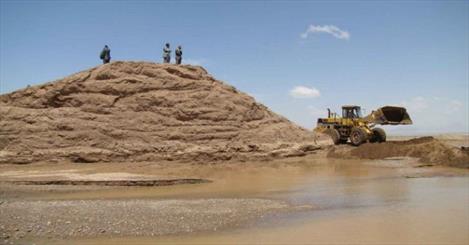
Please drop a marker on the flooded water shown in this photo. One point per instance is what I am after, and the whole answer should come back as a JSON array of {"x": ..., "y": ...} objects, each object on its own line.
[{"x": 348, "y": 203}]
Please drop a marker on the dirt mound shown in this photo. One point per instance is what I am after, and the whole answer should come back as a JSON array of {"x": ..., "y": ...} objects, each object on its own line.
[
  {"x": 427, "y": 149},
  {"x": 138, "y": 111}
]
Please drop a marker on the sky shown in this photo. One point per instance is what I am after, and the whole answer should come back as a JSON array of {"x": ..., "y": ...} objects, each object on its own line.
[{"x": 296, "y": 57}]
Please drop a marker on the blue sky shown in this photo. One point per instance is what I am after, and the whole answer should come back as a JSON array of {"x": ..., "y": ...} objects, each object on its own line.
[{"x": 370, "y": 53}]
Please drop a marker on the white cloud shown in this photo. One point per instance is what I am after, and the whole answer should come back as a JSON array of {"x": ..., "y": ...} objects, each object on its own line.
[
  {"x": 415, "y": 104},
  {"x": 304, "y": 92},
  {"x": 453, "y": 106},
  {"x": 456, "y": 103},
  {"x": 434, "y": 115},
  {"x": 329, "y": 29},
  {"x": 421, "y": 104}
]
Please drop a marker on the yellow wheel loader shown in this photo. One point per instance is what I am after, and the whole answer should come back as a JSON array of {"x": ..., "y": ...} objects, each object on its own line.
[{"x": 352, "y": 125}]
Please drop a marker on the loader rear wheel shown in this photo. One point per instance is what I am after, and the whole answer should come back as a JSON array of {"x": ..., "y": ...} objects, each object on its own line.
[
  {"x": 334, "y": 134},
  {"x": 378, "y": 135},
  {"x": 357, "y": 136}
]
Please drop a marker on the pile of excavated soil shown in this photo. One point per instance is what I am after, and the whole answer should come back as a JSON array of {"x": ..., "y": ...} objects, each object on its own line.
[
  {"x": 138, "y": 111},
  {"x": 427, "y": 149}
]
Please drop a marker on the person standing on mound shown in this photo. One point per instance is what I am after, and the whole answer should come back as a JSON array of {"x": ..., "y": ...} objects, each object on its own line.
[
  {"x": 105, "y": 55},
  {"x": 178, "y": 53},
  {"x": 166, "y": 54}
]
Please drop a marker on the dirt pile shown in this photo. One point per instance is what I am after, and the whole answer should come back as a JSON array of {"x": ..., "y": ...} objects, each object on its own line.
[
  {"x": 138, "y": 111},
  {"x": 427, "y": 149}
]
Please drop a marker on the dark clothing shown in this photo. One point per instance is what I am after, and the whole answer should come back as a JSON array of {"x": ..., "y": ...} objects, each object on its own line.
[
  {"x": 105, "y": 55},
  {"x": 178, "y": 53}
]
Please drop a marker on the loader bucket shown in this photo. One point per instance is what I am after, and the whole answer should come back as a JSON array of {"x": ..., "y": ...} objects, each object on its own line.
[{"x": 390, "y": 115}]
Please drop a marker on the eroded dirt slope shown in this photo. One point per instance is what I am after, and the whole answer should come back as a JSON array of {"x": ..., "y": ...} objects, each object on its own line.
[
  {"x": 138, "y": 111},
  {"x": 428, "y": 149}
]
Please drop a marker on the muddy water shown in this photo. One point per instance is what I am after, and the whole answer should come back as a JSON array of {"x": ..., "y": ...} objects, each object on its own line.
[{"x": 351, "y": 203}]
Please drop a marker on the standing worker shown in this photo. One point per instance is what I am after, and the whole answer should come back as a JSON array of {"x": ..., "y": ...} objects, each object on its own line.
[
  {"x": 178, "y": 53},
  {"x": 105, "y": 55},
  {"x": 166, "y": 54}
]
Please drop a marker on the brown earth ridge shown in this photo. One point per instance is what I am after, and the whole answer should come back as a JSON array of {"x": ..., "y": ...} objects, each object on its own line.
[
  {"x": 140, "y": 111},
  {"x": 428, "y": 150}
]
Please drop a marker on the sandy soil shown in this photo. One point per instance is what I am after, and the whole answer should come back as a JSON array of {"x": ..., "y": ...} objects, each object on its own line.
[
  {"x": 141, "y": 112},
  {"x": 78, "y": 218},
  {"x": 239, "y": 195},
  {"x": 429, "y": 150}
]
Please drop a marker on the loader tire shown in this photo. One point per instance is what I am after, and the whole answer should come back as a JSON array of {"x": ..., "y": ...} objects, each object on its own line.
[
  {"x": 334, "y": 134},
  {"x": 357, "y": 136},
  {"x": 378, "y": 135}
]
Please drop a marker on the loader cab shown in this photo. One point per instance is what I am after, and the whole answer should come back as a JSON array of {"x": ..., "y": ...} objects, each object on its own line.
[{"x": 351, "y": 111}]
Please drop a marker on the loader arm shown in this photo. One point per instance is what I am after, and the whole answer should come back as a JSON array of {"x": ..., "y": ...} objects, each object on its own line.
[{"x": 389, "y": 115}]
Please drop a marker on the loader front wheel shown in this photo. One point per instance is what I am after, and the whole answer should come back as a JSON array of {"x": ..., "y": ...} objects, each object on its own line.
[
  {"x": 378, "y": 135},
  {"x": 334, "y": 134},
  {"x": 357, "y": 136}
]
